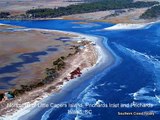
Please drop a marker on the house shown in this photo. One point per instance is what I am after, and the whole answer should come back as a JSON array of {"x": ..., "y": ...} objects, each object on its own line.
[
  {"x": 8, "y": 95},
  {"x": 81, "y": 47},
  {"x": 75, "y": 73}
]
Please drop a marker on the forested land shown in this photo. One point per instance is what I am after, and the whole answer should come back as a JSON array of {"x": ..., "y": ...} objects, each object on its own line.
[
  {"x": 87, "y": 7},
  {"x": 153, "y": 12}
]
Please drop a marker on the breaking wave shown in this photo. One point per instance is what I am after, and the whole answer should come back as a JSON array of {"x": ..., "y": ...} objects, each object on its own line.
[
  {"x": 46, "y": 114},
  {"x": 149, "y": 93}
]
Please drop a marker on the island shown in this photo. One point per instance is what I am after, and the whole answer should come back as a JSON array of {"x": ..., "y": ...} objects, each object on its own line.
[
  {"x": 47, "y": 60},
  {"x": 37, "y": 62},
  {"x": 117, "y": 11}
]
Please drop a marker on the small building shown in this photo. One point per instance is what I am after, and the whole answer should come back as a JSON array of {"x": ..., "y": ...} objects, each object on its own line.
[
  {"x": 75, "y": 73},
  {"x": 93, "y": 43},
  {"x": 79, "y": 41},
  {"x": 81, "y": 47},
  {"x": 8, "y": 95}
]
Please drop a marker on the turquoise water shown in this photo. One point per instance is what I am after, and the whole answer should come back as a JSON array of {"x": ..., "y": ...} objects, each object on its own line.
[{"x": 134, "y": 78}]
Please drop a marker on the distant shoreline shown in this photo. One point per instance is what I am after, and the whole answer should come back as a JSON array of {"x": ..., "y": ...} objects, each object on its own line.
[
  {"x": 117, "y": 11},
  {"x": 83, "y": 17},
  {"x": 100, "y": 56}
]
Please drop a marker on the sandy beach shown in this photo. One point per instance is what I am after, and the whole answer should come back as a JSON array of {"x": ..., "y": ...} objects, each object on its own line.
[
  {"x": 128, "y": 16},
  {"x": 53, "y": 66},
  {"x": 87, "y": 58},
  {"x": 92, "y": 56}
]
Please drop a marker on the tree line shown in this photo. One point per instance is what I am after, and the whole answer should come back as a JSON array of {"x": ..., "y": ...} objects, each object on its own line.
[
  {"x": 87, "y": 7},
  {"x": 153, "y": 12},
  {"x": 101, "y": 5},
  {"x": 4, "y": 14}
]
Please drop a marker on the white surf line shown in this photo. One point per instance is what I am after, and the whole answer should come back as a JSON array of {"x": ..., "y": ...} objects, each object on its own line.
[
  {"x": 16, "y": 115},
  {"x": 2, "y": 24},
  {"x": 103, "y": 57}
]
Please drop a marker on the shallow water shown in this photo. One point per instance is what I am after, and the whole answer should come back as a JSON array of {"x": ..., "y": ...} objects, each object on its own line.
[
  {"x": 135, "y": 79},
  {"x": 25, "y": 58}
]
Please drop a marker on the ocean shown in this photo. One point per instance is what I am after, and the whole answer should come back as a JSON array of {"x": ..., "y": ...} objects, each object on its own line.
[{"x": 131, "y": 84}]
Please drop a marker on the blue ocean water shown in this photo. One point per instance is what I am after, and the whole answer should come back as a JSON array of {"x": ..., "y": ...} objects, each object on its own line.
[{"x": 134, "y": 79}]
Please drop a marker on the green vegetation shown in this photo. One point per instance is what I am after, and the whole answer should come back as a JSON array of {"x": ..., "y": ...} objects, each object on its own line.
[
  {"x": 18, "y": 92},
  {"x": 153, "y": 12},
  {"x": 87, "y": 7},
  {"x": 59, "y": 64},
  {"x": 50, "y": 75},
  {"x": 4, "y": 14},
  {"x": 50, "y": 72}
]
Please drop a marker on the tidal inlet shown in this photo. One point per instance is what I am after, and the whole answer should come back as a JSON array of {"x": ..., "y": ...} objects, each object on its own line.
[{"x": 79, "y": 60}]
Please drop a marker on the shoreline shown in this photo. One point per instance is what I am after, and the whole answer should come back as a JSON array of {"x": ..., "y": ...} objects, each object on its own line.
[
  {"x": 106, "y": 62},
  {"x": 26, "y": 110},
  {"x": 111, "y": 20},
  {"x": 116, "y": 25},
  {"x": 84, "y": 71}
]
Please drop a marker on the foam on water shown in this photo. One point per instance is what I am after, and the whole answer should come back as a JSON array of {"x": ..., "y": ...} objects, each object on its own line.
[
  {"x": 103, "y": 84},
  {"x": 144, "y": 94},
  {"x": 88, "y": 95},
  {"x": 77, "y": 118},
  {"x": 123, "y": 86},
  {"x": 99, "y": 102},
  {"x": 45, "y": 116},
  {"x": 150, "y": 63}
]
